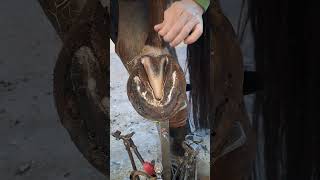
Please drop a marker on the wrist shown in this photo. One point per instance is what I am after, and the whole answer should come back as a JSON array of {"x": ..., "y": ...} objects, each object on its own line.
[
  {"x": 195, "y": 6},
  {"x": 204, "y": 4}
]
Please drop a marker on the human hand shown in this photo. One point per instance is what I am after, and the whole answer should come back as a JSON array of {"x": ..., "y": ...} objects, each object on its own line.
[{"x": 182, "y": 22}]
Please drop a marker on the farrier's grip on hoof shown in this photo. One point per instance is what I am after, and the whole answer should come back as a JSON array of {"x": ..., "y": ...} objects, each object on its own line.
[{"x": 157, "y": 86}]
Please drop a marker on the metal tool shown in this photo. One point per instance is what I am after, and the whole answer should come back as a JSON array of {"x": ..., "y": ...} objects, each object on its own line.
[
  {"x": 147, "y": 166},
  {"x": 186, "y": 166},
  {"x": 187, "y": 169},
  {"x": 128, "y": 143}
]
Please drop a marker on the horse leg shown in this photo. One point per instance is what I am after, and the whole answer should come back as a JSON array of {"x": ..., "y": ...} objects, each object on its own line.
[
  {"x": 156, "y": 86},
  {"x": 133, "y": 31},
  {"x": 62, "y": 13}
]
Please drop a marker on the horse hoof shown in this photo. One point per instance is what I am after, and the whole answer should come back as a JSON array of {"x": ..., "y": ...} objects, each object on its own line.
[{"x": 157, "y": 87}]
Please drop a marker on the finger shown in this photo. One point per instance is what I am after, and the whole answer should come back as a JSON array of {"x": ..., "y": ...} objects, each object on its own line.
[
  {"x": 158, "y": 26},
  {"x": 169, "y": 19},
  {"x": 197, "y": 32},
  {"x": 176, "y": 28},
  {"x": 165, "y": 28},
  {"x": 184, "y": 32}
]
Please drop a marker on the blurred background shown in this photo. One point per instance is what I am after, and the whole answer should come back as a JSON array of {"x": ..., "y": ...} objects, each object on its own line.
[{"x": 33, "y": 143}]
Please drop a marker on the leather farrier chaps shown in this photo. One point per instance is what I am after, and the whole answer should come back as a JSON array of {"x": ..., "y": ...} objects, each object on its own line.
[{"x": 217, "y": 100}]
